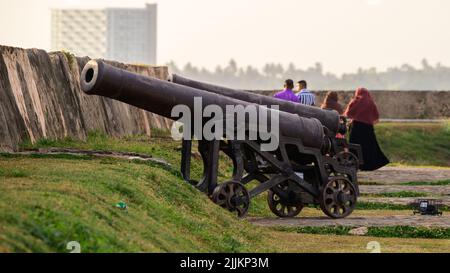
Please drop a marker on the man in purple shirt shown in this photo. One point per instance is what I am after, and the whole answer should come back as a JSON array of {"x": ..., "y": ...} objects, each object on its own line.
[{"x": 287, "y": 93}]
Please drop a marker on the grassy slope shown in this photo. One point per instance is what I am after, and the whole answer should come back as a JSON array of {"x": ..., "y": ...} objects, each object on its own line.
[
  {"x": 46, "y": 202},
  {"x": 416, "y": 144}
]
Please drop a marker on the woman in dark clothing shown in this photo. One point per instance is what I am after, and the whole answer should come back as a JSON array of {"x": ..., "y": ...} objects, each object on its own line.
[
  {"x": 364, "y": 114},
  {"x": 331, "y": 102}
]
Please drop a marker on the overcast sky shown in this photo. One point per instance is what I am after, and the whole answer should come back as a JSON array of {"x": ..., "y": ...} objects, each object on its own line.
[{"x": 341, "y": 34}]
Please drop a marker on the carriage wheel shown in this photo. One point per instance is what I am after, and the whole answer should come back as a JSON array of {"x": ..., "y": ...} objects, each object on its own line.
[
  {"x": 338, "y": 198},
  {"x": 282, "y": 208},
  {"x": 233, "y": 196},
  {"x": 348, "y": 160}
]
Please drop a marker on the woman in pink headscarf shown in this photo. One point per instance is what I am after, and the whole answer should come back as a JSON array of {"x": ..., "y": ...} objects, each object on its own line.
[{"x": 364, "y": 114}]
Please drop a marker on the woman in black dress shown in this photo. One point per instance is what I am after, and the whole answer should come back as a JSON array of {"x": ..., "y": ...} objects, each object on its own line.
[{"x": 364, "y": 114}]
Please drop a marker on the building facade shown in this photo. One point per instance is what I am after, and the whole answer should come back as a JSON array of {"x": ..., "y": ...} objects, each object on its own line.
[{"x": 126, "y": 35}]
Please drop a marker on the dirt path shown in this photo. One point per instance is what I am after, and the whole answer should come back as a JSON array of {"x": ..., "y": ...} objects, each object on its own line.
[
  {"x": 401, "y": 200},
  {"x": 395, "y": 175},
  {"x": 388, "y": 180},
  {"x": 403, "y": 220},
  {"x": 430, "y": 190},
  {"x": 93, "y": 153}
]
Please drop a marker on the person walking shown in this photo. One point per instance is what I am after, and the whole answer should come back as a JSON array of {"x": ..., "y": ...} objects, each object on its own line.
[{"x": 364, "y": 114}]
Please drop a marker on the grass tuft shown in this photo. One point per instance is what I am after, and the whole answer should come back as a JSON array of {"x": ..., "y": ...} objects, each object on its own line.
[
  {"x": 385, "y": 232},
  {"x": 11, "y": 173},
  {"x": 399, "y": 194},
  {"x": 425, "y": 183}
]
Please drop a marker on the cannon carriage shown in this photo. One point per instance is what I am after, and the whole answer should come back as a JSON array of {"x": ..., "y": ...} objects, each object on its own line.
[{"x": 310, "y": 166}]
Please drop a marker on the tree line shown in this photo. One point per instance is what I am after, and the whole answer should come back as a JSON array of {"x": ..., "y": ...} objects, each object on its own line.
[{"x": 272, "y": 75}]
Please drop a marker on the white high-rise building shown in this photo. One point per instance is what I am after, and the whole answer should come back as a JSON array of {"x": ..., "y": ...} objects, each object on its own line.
[{"x": 121, "y": 34}]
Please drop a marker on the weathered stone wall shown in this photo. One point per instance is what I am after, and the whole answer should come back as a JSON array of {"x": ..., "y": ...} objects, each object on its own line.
[
  {"x": 399, "y": 104},
  {"x": 40, "y": 97}
]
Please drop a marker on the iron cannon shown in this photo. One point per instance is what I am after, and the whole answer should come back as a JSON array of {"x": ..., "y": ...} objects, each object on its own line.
[
  {"x": 329, "y": 119},
  {"x": 334, "y": 124},
  {"x": 309, "y": 166}
]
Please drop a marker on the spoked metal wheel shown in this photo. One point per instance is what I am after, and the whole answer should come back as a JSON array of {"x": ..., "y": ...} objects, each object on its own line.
[
  {"x": 280, "y": 206},
  {"x": 233, "y": 196},
  {"x": 348, "y": 160},
  {"x": 338, "y": 198}
]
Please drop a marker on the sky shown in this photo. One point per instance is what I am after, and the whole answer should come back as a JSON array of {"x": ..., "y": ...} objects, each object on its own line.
[{"x": 341, "y": 34}]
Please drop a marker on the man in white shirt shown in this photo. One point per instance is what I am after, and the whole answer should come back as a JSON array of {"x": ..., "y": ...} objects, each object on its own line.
[{"x": 304, "y": 95}]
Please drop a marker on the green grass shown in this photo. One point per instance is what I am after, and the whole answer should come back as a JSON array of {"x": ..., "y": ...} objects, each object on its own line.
[
  {"x": 69, "y": 199},
  {"x": 415, "y": 143},
  {"x": 14, "y": 172},
  {"x": 73, "y": 199},
  {"x": 425, "y": 183},
  {"x": 335, "y": 230},
  {"x": 161, "y": 147},
  {"x": 385, "y": 232},
  {"x": 60, "y": 200},
  {"x": 48, "y": 200},
  {"x": 381, "y": 206},
  {"x": 399, "y": 194}
]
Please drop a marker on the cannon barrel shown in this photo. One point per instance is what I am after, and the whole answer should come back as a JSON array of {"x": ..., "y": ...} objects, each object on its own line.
[
  {"x": 159, "y": 97},
  {"x": 329, "y": 118}
]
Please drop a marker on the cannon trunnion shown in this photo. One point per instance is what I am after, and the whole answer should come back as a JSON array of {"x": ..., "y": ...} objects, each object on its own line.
[{"x": 309, "y": 167}]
